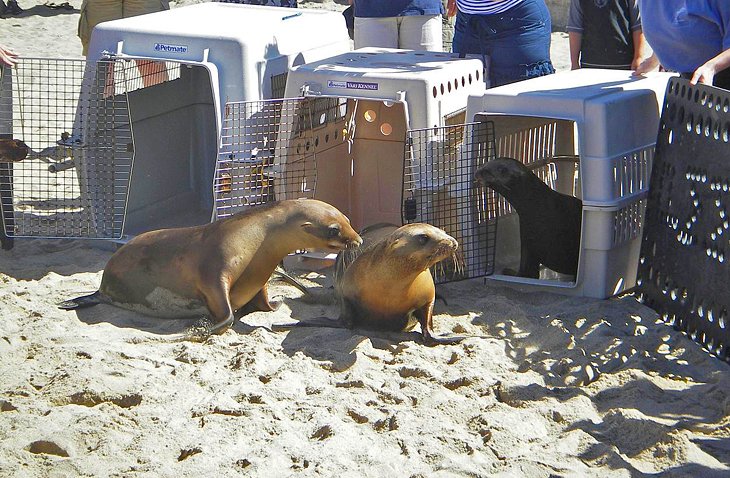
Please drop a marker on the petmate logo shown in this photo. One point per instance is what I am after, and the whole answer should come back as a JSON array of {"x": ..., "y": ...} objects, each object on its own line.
[
  {"x": 336, "y": 84},
  {"x": 171, "y": 48}
]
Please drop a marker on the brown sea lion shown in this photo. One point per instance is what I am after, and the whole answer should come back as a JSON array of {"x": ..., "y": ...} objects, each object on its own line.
[
  {"x": 217, "y": 268},
  {"x": 389, "y": 286},
  {"x": 550, "y": 222}
]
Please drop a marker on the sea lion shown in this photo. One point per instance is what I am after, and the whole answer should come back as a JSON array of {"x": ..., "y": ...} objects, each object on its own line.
[
  {"x": 13, "y": 150},
  {"x": 217, "y": 268},
  {"x": 549, "y": 221},
  {"x": 389, "y": 286}
]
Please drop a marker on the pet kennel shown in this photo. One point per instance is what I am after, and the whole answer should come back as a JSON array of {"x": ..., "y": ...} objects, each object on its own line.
[
  {"x": 589, "y": 134},
  {"x": 127, "y": 141},
  {"x": 356, "y": 113}
]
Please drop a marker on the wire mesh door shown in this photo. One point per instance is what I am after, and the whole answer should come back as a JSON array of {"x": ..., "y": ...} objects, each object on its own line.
[
  {"x": 267, "y": 153},
  {"x": 439, "y": 189},
  {"x": 73, "y": 178}
]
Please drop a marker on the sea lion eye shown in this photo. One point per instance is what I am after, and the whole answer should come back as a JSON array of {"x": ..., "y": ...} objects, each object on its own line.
[
  {"x": 333, "y": 231},
  {"x": 423, "y": 239}
]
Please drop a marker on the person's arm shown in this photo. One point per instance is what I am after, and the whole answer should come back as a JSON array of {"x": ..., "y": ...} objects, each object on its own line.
[
  {"x": 646, "y": 65},
  {"x": 575, "y": 33},
  {"x": 451, "y": 8},
  {"x": 575, "y": 39},
  {"x": 641, "y": 48},
  {"x": 706, "y": 73},
  {"x": 7, "y": 57}
]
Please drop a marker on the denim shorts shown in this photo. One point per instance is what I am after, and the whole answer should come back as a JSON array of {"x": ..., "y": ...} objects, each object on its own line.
[{"x": 515, "y": 44}]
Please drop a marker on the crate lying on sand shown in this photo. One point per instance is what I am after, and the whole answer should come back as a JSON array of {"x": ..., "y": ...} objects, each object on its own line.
[
  {"x": 141, "y": 121},
  {"x": 589, "y": 134}
]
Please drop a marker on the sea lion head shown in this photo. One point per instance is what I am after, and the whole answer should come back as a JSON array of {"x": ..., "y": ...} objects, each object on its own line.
[
  {"x": 502, "y": 174},
  {"x": 420, "y": 244},
  {"x": 326, "y": 225},
  {"x": 13, "y": 150}
]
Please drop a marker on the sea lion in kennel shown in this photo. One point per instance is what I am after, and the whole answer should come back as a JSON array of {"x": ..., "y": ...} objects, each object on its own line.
[
  {"x": 549, "y": 221},
  {"x": 389, "y": 286},
  {"x": 216, "y": 269}
]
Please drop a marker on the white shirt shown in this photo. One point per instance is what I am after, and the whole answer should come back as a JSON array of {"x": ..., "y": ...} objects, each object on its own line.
[{"x": 485, "y": 7}]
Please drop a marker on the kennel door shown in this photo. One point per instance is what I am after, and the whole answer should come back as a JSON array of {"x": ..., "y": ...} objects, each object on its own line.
[
  {"x": 439, "y": 189},
  {"x": 266, "y": 153},
  {"x": 74, "y": 118}
]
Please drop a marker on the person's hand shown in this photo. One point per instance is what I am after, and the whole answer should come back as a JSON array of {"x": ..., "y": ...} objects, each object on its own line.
[
  {"x": 704, "y": 74},
  {"x": 451, "y": 8},
  {"x": 7, "y": 57},
  {"x": 646, "y": 65}
]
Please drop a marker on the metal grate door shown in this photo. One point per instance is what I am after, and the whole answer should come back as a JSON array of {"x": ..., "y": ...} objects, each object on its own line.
[
  {"x": 74, "y": 118},
  {"x": 439, "y": 188},
  {"x": 268, "y": 151}
]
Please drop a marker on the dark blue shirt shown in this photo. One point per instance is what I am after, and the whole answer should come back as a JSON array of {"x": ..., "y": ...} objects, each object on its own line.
[{"x": 397, "y": 8}]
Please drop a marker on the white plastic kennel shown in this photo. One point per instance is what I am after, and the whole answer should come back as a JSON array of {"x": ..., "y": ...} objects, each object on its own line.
[
  {"x": 139, "y": 125},
  {"x": 592, "y": 132}
]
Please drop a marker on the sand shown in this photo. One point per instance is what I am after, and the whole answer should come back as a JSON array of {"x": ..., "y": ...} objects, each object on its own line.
[{"x": 550, "y": 386}]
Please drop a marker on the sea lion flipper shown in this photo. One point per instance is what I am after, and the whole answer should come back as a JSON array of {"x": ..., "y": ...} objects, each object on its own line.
[
  {"x": 261, "y": 302},
  {"x": 425, "y": 317},
  {"x": 280, "y": 273},
  {"x": 81, "y": 302}
]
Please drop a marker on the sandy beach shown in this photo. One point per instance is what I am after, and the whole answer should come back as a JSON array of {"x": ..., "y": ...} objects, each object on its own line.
[{"x": 548, "y": 386}]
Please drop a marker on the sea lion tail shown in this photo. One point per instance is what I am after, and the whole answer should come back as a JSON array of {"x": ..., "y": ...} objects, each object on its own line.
[
  {"x": 81, "y": 302},
  {"x": 283, "y": 275}
]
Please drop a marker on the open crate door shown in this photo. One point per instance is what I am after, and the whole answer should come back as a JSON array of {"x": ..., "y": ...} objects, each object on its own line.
[
  {"x": 439, "y": 188},
  {"x": 74, "y": 117},
  {"x": 267, "y": 152}
]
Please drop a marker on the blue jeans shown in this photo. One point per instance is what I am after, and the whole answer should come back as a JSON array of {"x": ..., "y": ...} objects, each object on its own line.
[{"x": 515, "y": 45}]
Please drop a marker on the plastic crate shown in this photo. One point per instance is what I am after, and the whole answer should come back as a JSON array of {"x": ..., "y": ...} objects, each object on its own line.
[{"x": 607, "y": 121}]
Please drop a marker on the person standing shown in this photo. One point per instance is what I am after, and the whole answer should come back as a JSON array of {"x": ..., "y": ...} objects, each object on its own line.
[
  {"x": 605, "y": 34},
  {"x": 406, "y": 24},
  {"x": 511, "y": 36},
  {"x": 691, "y": 37},
  {"x": 94, "y": 12}
]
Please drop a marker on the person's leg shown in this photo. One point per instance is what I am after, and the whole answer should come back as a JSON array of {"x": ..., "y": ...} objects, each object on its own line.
[
  {"x": 421, "y": 32},
  {"x": 93, "y": 13},
  {"x": 466, "y": 40},
  {"x": 518, "y": 42},
  {"x": 376, "y": 32},
  {"x": 152, "y": 72}
]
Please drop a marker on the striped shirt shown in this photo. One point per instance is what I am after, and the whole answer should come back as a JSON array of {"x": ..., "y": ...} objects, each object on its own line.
[{"x": 485, "y": 7}]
